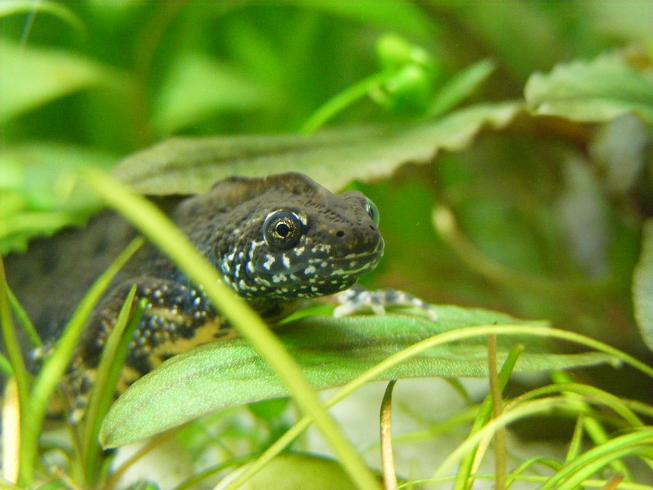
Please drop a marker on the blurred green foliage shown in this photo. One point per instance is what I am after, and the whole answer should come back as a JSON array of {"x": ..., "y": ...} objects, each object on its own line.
[{"x": 541, "y": 218}]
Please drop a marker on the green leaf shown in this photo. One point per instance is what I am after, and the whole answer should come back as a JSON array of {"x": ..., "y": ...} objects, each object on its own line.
[
  {"x": 31, "y": 77},
  {"x": 230, "y": 373},
  {"x": 198, "y": 87},
  {"x": 17, "y": 7},
  {"x": 333, "y": 158},
  {"x": 292, "y": 472},
  {"x": 643, "y": 286},
  {"x": 594, "y": 91}
]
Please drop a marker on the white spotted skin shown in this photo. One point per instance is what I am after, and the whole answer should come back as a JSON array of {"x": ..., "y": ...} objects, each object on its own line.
[{"x": 337, "y": 242}]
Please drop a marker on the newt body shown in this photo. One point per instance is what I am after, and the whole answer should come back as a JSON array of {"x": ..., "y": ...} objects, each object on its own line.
[{"x": 274, "y": 240}]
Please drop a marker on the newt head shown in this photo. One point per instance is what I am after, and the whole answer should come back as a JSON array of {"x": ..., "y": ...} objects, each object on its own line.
[{"x": 291, "y": 238}]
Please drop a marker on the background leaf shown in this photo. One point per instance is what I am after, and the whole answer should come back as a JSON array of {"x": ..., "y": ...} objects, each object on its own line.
[
  {"x": 583, "y": 216},
  {"x": 594, "y": 91},
  {"x": 31, "y": 77},
  {"x": 620, "y": 147},
  {"x": 230, "y": 373},
  {"x": 333, "y": 158},
  {"x": 198, "y": 87},
  {"x": 643, "y": 286}
]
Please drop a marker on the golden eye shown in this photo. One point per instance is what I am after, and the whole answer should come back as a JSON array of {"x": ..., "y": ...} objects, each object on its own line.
[{"x": 282, "y": 229}]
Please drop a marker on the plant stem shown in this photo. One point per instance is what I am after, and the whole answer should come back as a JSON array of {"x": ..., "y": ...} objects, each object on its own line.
[
  {"x": 500, "y": 468},
  {"x": 26, "y": 468},
  {"x": 387, "y": 461},
  {"x": 340, "y": 102}
]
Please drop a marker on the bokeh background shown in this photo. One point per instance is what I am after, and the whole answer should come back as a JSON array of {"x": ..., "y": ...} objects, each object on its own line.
[{"x": 541, "y": 218}]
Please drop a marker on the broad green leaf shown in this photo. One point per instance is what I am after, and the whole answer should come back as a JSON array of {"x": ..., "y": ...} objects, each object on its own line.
[
  {"x": 331, "y": 352},
  {"x": 643, "y": 286},
  {"x": 334, "y": 158},
  {"x": 31, "y": 77},
  {"x": 293, "y": 471},
  {"x": 17, "y": 7},
  {"x": 591, "y": 91},
  {"x": 198, "y": 87}
]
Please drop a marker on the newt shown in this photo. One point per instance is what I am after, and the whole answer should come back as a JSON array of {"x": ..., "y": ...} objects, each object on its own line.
[{"x": 276, "y": 241}]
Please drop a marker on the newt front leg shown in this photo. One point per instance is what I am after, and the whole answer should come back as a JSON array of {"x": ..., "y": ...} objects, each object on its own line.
[{"x": 177, "y": 318}]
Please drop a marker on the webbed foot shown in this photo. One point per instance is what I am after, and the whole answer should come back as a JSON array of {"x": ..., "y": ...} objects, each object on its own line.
[{"x": 357, "y": 299}]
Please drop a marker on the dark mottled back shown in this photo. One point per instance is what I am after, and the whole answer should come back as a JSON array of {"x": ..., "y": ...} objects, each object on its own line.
[{"x": 52, "y": 277}]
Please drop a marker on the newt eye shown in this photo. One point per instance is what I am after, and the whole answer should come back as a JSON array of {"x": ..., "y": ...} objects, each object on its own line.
[
  {"x": 373, "y": 211},
  {"x": 282, "y": 229}
]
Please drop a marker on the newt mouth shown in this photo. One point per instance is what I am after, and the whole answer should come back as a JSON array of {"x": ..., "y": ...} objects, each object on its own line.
[{"x": 376, "y": 252}]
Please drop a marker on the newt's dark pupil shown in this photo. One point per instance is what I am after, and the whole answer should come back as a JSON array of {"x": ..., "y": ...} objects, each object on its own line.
[{"x": 282, "y": 229}]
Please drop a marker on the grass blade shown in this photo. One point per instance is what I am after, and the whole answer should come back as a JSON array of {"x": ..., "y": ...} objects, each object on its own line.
[
  {"x": 436, "y": 340},
  {"x": 23, "y": 318},
  {"x": 54, "y": 366},
  {"x": 113, "y": 358},
  {"x": 593, "y": 427},
  {"x": 500, "y": 463},
  {"x": 463, "y": 478},
  {"x": 576, "y": 440},
  {"x": 387, "y": 460},
  {"x": 20, "y": 374},
  {"x": 525, "y": 410},
  {"x": 575, "y": 471},
  {"x": 5, "y": 366},
  {"x": 10, "y": 432}
]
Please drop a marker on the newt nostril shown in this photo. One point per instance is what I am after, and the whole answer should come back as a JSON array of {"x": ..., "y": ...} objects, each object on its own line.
[{"x": 340, "y": 233}]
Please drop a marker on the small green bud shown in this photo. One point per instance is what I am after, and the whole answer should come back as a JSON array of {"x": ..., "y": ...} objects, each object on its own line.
[
  {"x": 395, "y": 52},
  {"x": 410, "y": 90}
]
